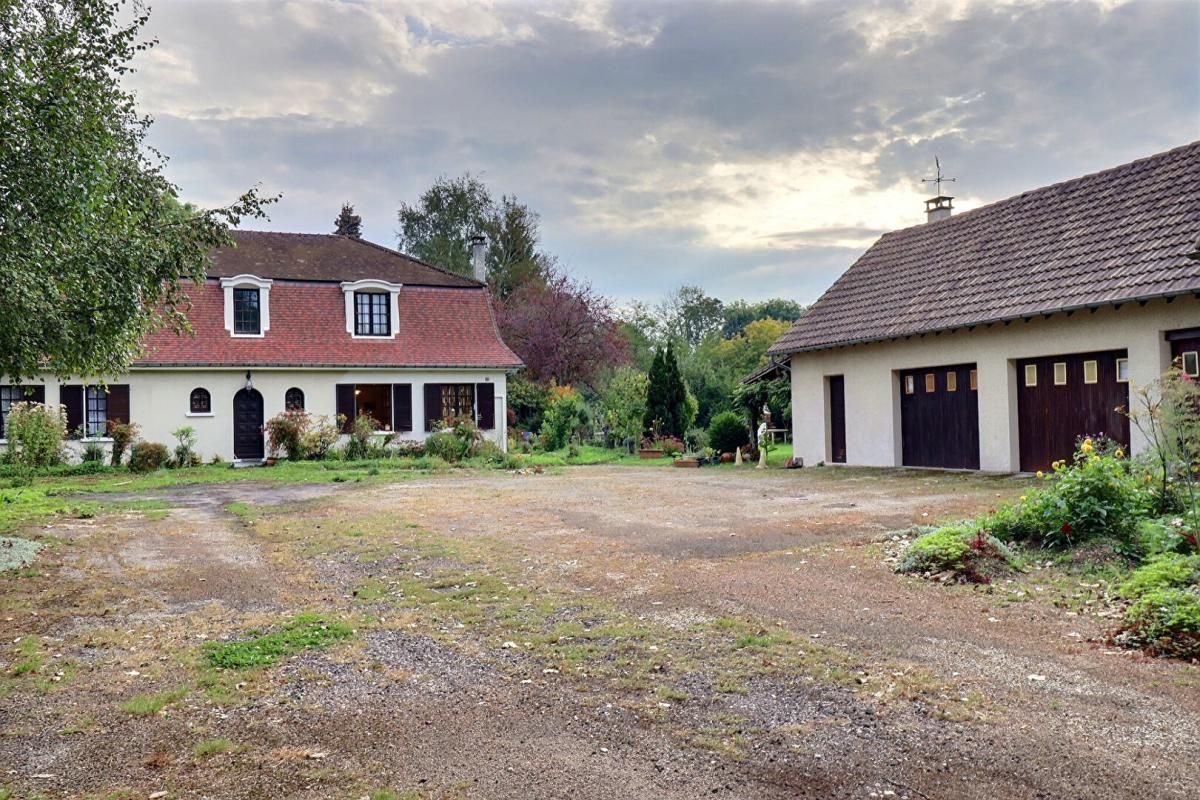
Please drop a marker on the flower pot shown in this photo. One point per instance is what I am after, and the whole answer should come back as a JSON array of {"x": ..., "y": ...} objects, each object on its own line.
[
  {"x": 649, "y": 453},
  {"x": 271, "y": 461},
  {"x": 727, "y": 458},
  {"x": 687, "y": 463}
]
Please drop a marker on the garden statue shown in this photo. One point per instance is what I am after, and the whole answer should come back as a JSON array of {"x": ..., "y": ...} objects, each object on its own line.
[{"x": 762, "y": 446}]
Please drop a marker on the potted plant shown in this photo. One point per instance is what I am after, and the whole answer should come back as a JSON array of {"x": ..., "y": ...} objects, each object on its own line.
[
  {"x": 688, "y": 461},
  {"x": 650, "y": 449}
]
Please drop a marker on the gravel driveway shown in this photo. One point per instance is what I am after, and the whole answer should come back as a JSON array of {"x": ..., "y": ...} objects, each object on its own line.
[{"x": 594, "y": 632}]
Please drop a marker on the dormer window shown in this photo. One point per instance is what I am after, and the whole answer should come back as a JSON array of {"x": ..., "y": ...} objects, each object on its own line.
[
  {"x": 247, "y": 305},
  {"x": 372, "y": 314},
  {"x": 372, "y": 309}
]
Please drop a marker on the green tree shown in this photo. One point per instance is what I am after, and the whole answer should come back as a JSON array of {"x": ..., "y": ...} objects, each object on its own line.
[
  {"x": 666, "y": 395},
  {"x": 348, "y": 223},
  {"x": 689, "y": 315},
  {"x": 624, "y": 402},
  {"x": 94, "y": 245},
  {"x": 440, "y": 226},
  {"x": 738, "y": 314}
]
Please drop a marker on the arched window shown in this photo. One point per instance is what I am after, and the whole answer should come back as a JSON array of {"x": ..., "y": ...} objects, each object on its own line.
[
  {"x": 293, "y": 399},
  {"x": 201, "y": 401}
]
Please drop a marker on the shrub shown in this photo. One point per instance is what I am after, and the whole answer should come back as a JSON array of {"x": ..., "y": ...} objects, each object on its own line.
[
  {"x": 185, "y": 447},
  {"x": 408, "y": 448},
  {"x": 971, "y": 554},
  {"x": 35, "y": 434},
  {"x": 727, "y": 432},
  {"x": 122, "y": 435},
  {"x": 359, "y": 446},
  {"x": 1170, "y": 571},
  {"x": 446, "y": 446},
  {"x": 286, "y": 431},
  {"x": 696, "y": 440},
  {"x": 1165, "y": 622},
  {"x": 670, "y": 445},
  {"x": 148, "y": 457},
  {"x": 93, "y": 452},
  {"x": 320, "y": 436},
  {"x": 565, "y": 416}
]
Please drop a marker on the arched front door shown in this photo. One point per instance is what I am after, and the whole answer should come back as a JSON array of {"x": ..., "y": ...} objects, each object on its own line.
[{"x": 248, "y": 424}]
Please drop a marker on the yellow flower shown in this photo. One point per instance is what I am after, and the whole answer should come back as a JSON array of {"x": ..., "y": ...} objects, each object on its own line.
[
  {"x": 1023, "y": 498},
  {"x": 1148, "y": 479},
  {"x": 1087, "y": 446},
  {"x": 1088, "y": 441},
  {"x": 1041, "y": 474},
  {"x": 1119, "y": 453}
]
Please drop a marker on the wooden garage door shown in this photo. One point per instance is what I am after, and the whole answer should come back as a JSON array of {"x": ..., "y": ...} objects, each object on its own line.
[
  {"x": 1060, "y": 398},
  {"x": 939, "y": 417}
]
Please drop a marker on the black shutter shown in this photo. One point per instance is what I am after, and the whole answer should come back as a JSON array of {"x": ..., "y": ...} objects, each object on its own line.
[
  {"x": 345, "y": 405},
  {"x": 485, "y": 400},
  {"x": 401, "y": 407},
  {"x": 433, "y": 404},
  {"x": 71, "y": 397},
  {"x": 118, "y": 403}
]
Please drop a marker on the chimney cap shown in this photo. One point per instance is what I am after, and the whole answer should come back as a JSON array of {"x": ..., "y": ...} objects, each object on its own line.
[{"x": 941, "y": 201}]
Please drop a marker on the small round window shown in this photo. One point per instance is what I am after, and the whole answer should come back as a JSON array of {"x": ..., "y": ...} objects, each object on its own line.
[
  {"x": 201, "y": 402},
  {"x": 293, "y": 400}
]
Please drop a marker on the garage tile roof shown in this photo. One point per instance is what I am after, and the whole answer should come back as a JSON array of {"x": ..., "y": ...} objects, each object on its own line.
[
  {"x": 438, "y": 327},
  {"x": 1119, "y": 235},
  {"x": 324, "y": 257}
]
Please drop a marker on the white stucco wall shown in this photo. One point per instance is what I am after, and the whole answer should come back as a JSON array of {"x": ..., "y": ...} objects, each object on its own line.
[
  {"x": 873, "y": 391},
  {"x": 159, "y": 398}
]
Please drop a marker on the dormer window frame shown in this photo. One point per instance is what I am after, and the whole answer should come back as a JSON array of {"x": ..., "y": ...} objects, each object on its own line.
[
  {"x": 263, "y": 285},
  {"x": 352, "y": 288}
]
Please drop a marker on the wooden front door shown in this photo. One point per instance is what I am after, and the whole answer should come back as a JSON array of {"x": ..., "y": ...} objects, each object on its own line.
[
  {"x": 1060, "y": 398},
  {"x": 837, "y": 419},
  {"x": 939, "y": 417},
  {"x": 248, "y": 424}
]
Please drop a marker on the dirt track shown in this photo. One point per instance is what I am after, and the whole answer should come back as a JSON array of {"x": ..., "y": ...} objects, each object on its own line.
[{"x": 947, "y": 691}]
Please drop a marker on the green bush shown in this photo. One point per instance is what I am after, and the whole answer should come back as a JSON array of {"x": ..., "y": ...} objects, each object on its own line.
[
  {"x": 971, "y": 554},
  {"x": 446, "y": 446},
  {"x": 1169, "y": 571},
  {"x": 122, "y": 434},
  {"x": 148, "y": 457},
  {"x": 565, "y": 416},
  {"x": 35, "y": 434},
  {"x": 185, "y": 447},
  {"x": 318, "y": 439},
  {"x": 286, "y": 432},
  {"x": 359, "y": 446},
  {"x": 727, "y": 432},
  {"x": 1165, "y": 622},
  {"x": 93, "y": 453}
]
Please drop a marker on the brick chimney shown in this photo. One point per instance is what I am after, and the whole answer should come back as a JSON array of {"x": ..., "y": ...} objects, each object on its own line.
[
  {"x": 938, "y": 208},
  {"x": 479, "y": 257}
]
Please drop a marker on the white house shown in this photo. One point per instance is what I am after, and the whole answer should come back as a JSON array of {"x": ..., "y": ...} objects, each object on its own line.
[
  {"x": 329, "y": 324},
  {"x": 992, "y": 339}
]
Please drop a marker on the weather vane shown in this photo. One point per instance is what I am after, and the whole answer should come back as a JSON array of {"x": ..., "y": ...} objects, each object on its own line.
[{"x": 939, "y": 180}]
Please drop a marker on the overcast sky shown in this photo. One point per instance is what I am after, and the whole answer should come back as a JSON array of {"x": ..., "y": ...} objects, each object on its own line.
[{"x": 754, "y": 149}]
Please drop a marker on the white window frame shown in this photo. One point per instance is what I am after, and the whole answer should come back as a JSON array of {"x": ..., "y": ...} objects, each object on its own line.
[
  {"x": 1122, "y": 367},
  {"x": 372, "y": 285},
  {"x": 1031, "y": 375},
  {"x": 1057, "y": 371},
  {"x": 1095, "y": 367},
  {"x": 1183, "y": 362},
  {"x": 264, "y": 303}
]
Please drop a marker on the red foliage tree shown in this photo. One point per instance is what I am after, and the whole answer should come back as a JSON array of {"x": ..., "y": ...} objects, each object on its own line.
[{"x": 562, "y": 329}]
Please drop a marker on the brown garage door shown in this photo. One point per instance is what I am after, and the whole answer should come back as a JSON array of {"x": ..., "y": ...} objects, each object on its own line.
[
  {"x": 939, "y": 417},
  {"x": 1060, "y": 398}
]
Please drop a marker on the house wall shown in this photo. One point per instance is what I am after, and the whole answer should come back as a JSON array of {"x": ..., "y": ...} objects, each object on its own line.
[
  {"x": 873, "y": 391},
  {"x": 159, "y": 398}
]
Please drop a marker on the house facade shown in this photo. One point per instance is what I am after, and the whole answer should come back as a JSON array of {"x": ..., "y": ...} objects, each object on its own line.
[
  {"x": 994, "y": 338},
  {"x": 328, "y": 324}
]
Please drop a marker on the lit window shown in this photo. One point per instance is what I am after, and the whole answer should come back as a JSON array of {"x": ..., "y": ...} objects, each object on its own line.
[
  {"x": 1060, "y": 373},
  {"x": 1191, "y": 363},
  {"x": 1122, "y": 370},
  {"x": 1090, "y": 372},
  {"x": 293, "y": 399},
  {"x": 372, "y": 314},
  {"x": 458, "y": 400},
  {"x": 974, "y": 380},
  {"x": 200, "y": 402},
  {"x": 1031, "y": 374},
  {"x": 930, "y": 382},
  {"x": 96, "y": 418},
  {"x": 246, "y": 316},
  {"x": 951, "y": 381},
  {"x": 910, "y": 384}
]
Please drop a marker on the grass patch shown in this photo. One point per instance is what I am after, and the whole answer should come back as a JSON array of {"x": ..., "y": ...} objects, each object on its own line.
[
  {"x": 303, "y": 632},
  {"x": 214, "y": 747},
  {"x": 145, "y": 705}
]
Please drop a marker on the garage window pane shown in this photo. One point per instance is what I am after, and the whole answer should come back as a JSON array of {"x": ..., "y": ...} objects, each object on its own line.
[
  {"x": 1060, "y": 373},
  {"x": 930, "y": 382},
  {"x": 1191, "y": 363},
  {"x": 910, "y": 384},
  {"x": 951, "y": 381},
  {"x": 1090, "y": 372},
  {"x": 974, "y": 380},
  {"x": 1122, "y": 370},
  {"x": 1031, "y": 374}
]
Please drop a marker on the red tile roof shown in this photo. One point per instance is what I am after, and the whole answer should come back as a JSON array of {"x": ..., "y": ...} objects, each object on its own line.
[
  {"x": 1119, "y": 235},
  {"x": 324, "y": 257},
  {"x": 438, "y": 327}
]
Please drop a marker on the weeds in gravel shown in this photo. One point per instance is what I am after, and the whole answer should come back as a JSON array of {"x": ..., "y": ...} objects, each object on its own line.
[
  {"x": 214, "y": 747},
  {"x": 145, "y": 705},
  {"x": 262, "y": 649}
]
